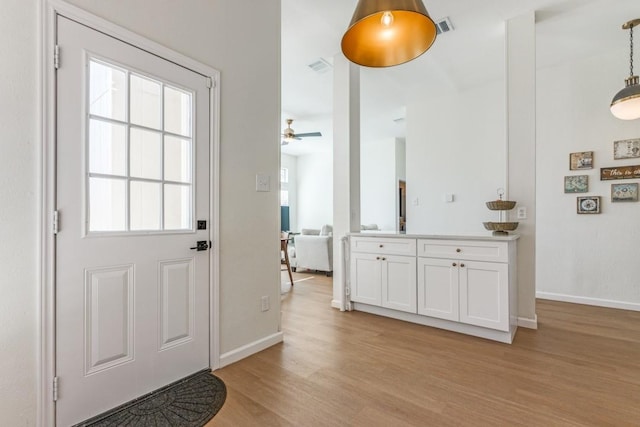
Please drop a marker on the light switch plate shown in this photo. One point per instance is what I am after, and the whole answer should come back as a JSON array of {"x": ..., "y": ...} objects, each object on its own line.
[
  {"x": 262, "y": 182},
  {"x": 522, "y": 212}
]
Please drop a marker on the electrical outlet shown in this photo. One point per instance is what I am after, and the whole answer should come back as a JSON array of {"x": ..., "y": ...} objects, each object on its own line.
[
  {"x": 265, "y": 303},
  {"x": 522, "y": 212}
]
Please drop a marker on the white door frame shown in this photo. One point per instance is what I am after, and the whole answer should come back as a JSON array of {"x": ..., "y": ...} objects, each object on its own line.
[{"x": 47, "y": 190}]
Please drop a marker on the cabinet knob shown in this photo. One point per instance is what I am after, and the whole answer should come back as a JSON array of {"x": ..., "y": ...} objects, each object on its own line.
[
  {"x": 461, "y": 265},
  {"x": 384, "y": 259},
  {"x": 382, "y": 246},
  {"x": 458, "y": 250},
  {"x": 454, "y": 264},
  {"x": 378, "y": 258}
]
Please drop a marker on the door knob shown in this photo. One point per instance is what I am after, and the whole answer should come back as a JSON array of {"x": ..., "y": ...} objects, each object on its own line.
[{"x": 201, "y": 245}]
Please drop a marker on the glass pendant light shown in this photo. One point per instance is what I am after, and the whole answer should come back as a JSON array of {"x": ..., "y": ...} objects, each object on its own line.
[
  {"x": 626, "y": 104},
  {"x": 383, "y": 33}
]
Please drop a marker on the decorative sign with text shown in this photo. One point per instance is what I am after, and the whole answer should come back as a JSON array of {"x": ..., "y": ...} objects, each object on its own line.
[{"x": 622, "y": 172}]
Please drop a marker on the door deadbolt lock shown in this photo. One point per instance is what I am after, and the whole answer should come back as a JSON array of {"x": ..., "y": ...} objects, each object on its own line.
[{"x": 201, "y": 245}]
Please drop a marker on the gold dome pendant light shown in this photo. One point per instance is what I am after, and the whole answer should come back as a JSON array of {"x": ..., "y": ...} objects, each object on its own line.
[
  {"x": 384, "y": 33},
  {"x": 626, "y": 104}
]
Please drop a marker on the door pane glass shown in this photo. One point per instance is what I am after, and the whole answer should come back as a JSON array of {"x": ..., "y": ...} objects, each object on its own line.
[
  {"x": 107, "y": 91},
  {"x": 146, "y": 103},
  {"x": 145, "y": 154},
  {"x": 177, "y": 159},
  {"x": 145, "y": 206},
  {"x": 177, "y": 111},
  {"x": 107, "y": 148},
  {"x": 107, "y": 204},
  {"x": 177, "y": 207}
]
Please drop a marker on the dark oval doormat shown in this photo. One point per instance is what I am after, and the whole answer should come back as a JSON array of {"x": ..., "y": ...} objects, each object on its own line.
[{"x": 189, "y": 402}]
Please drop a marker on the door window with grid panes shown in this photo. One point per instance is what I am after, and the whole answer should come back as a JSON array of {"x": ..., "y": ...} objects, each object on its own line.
[{"x": 140, "y": 152}]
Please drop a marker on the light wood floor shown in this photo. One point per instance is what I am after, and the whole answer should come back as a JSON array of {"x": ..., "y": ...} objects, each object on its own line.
[{"x": 580, "y": 368}]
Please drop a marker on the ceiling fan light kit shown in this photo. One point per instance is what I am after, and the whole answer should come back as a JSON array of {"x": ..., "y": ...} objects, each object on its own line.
[
  {"x": 289, "y": 135},
  {"x": 626, "y": 103},
  {"x": 384, "y": 33}
]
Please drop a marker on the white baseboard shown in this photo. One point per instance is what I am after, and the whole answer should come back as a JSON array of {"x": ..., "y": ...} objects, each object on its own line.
[
  {"x": 589, "y": 301},
  {"x": 526, "y": 322},
  {"x": 336, "y": 304},
  {"x": 252, "y": 348}
]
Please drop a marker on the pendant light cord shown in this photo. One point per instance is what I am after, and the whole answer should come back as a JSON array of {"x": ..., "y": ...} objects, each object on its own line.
[{"x": 631, "y": 49}]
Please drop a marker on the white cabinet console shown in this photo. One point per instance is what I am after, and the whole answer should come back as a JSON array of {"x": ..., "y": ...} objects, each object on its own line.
[{"x": 465, "y": 284}]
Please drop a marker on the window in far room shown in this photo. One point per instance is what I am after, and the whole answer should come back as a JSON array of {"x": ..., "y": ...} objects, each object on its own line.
[
  {"x": 284, "y": 187},
  {"x": 284, "y": 199}
]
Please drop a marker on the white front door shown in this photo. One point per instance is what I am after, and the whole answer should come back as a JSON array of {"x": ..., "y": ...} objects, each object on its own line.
[{"x": 132, "y": 160}]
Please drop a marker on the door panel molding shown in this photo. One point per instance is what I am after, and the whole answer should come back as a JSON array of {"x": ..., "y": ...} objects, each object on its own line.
[{"x": 48, "y": 11}]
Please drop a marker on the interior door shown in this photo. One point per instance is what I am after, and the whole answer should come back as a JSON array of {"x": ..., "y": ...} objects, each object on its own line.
[{"x": 132, "y": 184}]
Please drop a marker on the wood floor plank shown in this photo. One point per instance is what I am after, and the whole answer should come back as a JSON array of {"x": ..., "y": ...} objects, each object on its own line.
[{"x": 580, "y": 368}]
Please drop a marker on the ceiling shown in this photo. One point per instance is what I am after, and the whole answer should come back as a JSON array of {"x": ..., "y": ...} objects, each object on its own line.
[{"x": 471, "y": 55}]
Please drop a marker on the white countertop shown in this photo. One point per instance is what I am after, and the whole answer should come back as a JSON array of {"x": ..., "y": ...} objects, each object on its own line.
[{"x": 470, "y": 236}]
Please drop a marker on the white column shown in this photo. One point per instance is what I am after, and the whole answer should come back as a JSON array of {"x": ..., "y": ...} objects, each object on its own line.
[
  {"x": 521, "y": 134},
  {"x": 346, "y": 165}
]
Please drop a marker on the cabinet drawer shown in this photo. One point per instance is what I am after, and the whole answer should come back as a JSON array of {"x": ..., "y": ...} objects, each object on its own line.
[
  {"x": 381, "y": 245},
  {"x": 464, "y": 249}
]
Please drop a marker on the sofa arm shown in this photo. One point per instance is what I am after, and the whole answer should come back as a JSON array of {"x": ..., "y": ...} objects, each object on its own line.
[{"x": 314, "y": 252}]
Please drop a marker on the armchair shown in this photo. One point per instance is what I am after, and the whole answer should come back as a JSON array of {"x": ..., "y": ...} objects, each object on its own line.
[{"x": 314, "y": 250}]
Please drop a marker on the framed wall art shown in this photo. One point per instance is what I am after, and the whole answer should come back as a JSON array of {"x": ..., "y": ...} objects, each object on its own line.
[
  {"x": 624, "y": 192},
  {"x": 582, "y": 160},
  {"x": 576, "y": 184},
  {"x": 589, "y": 205},
  {"x": 622, "y": 172},
  {"x": 626, "y": 149}
]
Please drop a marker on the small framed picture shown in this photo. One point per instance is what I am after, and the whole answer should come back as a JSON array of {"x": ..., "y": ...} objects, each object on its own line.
[
  {"x": 582, "y": 160},
  {"x": 576, "y": 184},
  {"x": 626, "y": 149},
  {"x": 624, "y": 192},
  {"x": 589, "y": 205}
]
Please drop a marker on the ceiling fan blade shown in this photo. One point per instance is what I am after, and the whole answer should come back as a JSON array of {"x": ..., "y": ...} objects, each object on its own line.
[
  {"x": 283, "y": 142},
  {"x": 304, "y": 135}
]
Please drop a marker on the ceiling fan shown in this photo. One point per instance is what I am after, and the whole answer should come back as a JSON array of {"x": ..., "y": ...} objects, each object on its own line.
[{"x": 290, "y": 135}]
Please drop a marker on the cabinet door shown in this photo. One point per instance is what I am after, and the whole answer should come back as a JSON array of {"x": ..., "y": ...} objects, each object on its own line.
[
  {"x": 366, "y": 278},
  {"x": 484, "y": 294},
  {"x": 399, "y": 283},
  {"x": 438, "y": 288}
]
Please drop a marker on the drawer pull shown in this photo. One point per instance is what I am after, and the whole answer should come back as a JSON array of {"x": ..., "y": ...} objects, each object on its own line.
[
  {"x": 454, "y": 264},
  {"x": 384, "y": 259},
  {"x": 461, "y": 265},
  {"x": 382, "y": 246},
  {"x": 458, "y": 250},
  {"x": 378, "y": 258}
]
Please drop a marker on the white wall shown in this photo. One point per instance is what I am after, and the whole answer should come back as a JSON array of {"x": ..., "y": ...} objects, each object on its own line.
[
  {"x": 315, "y": 190},
  {"x": 401, "y": 159},
  {"x": 208, "y": 32},
  {"x": 455, "y": 144},
  {"x": 19, "y": 249},
  {"x": 291, "y": 163},
  {"x": 583, "y": 257},
  {"x": 521, "y": 134},
  {"x": 378, "y": 183}
]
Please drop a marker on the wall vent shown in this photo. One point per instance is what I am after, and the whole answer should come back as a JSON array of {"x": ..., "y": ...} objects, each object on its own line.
[
  {"x": 320, "y": 66},
  {"x": 443, "y": 26}
]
